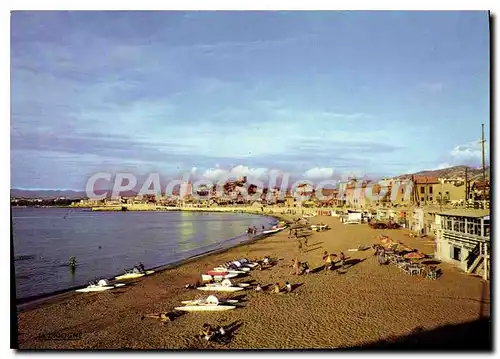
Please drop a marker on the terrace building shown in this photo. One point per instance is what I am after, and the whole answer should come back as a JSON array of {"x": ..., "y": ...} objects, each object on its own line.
[{"x": 463, "y": 239}]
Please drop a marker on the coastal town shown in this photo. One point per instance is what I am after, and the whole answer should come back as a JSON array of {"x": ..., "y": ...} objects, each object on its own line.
[
  {"x": 454, "y": 211},
  {"x": 245, "y": 180}
]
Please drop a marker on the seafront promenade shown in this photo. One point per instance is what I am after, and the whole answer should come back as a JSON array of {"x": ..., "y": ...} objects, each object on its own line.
[{"x": 361, "y": 305}]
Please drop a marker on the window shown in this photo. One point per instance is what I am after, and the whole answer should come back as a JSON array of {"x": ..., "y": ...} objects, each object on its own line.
[
  {"x": 470, "y": 227},
  {"x": 422, "y": 189},
  {"x": 422, "y": 199},
  {"x": 430, "y": 199},
  {"x": 430, "y": 189},
  {"x": 461, "y": 226},
  {"x": 456, "y": 253}
]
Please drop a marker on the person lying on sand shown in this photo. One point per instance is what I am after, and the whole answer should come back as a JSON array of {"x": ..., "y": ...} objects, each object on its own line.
[
  {"x": 164, "y": 317},
  {"x": 258, "y": 288},
  {"x": 333, "y": 257},
  {"x": 342, "y": 259},
  {"x": 288, "y": 287},
  {"x": 194, "y": 286},
  {"x": 207, "y": 332},
  {"x": 276, "y": 288}
]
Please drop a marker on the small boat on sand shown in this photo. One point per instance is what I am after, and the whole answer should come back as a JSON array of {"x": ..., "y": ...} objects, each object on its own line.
[
  {"x": 218, "y": 277},
  {"x": 133, "y": 275},
  {"x": 205, "y": 307},
  {"x": 101, "y": 286},
  {"x": 211, "y": 303},
  {"x": 230, "y": 271},
  {"x": 211, "y": 299},
  {"x": 224, "y": 286}
]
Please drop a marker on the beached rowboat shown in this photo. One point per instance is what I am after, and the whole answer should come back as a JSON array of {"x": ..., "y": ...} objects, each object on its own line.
[
  {"x": 218, "y": 277},
  {"x": 219, "y": 288},
  {"x": 98, "y": 288},
  {"x": 133, "y": 275},
  {"x": 198, "y": 301},
  {"x": 273, "y": 230},
  {"x": 224, "y": 286},
  {"x": 205, "y": 307}
]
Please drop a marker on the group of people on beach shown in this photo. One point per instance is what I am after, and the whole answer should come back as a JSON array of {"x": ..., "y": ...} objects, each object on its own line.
[
  {"x": 330, "y": 260},
  {"x": 210, "y": 333},
  {"x": 276, "y": 288},
  {"x": 253, "y": 230},
  {"x": 138, "y": 268}
]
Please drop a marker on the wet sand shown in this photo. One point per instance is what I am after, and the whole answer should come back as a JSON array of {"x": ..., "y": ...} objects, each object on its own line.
[{"x": 332, "y": 309}]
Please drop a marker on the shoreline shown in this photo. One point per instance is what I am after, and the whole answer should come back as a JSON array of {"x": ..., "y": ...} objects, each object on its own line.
[
  {"x": 41, "y": 299},
  {"x": 367, "y": 303}
]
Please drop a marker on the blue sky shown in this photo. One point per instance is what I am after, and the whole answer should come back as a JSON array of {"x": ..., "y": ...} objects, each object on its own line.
[{"x": 314, "y": 94}]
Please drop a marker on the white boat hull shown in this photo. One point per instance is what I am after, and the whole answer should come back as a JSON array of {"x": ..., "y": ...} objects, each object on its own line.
[
  {"x": 205, "y": 308},
  {"x": 220, "y": 289},
  {"x": 97, "y": 288},
  {"x": 270, "y": 231},
  {"x": 197, "y": 301},
  {"x": 231, "y": 271},
  {"x": 207, "y": 277},
  {"x": 133, "y": 275}
]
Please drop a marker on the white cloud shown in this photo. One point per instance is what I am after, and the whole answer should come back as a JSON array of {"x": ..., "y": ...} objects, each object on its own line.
[
  {"x": 215, "y": 174},
  {"x": 319, "y": 173},
  {"x": 257, "y": 173},
  {"x": 467, "y": 153}
]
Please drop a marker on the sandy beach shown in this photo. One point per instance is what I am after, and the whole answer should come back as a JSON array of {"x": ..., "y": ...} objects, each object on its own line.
[{"x": 360, "y": 306}]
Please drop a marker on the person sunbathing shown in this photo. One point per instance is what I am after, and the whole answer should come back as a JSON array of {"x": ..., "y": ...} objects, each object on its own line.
[
  {"x": 288, "y": 287},
  {"x": 164, "y": 317},
  {"x": 207, "y": 332},
  {"x": 342, "y": 259},
  {"x": 276, "y": 288},
  {"x": 258, "y": 288}
]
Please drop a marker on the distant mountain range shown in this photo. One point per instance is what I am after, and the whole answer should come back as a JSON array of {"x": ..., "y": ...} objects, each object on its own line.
[
  {"x": 451, "y": 172},
  {"x": 50, "y": 194}
]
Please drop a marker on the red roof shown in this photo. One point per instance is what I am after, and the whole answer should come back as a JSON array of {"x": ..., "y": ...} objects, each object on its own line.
[
  {"x": 425, "y": 180},
  {"x": 329, "y": 191},
  {"x": 480, "y": 184}
]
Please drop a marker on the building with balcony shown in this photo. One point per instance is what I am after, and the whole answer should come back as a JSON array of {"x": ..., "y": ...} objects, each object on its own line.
[{"x": 463, "y": 239}]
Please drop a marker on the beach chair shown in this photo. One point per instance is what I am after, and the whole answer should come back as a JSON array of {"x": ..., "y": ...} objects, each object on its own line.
[
  {"x": 414, "y": 269},
  {"x": 405, "y": 267},
  {"x": 432, "y": 273}
]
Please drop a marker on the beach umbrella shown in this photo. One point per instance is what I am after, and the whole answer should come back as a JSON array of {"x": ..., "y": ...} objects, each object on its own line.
[
  {"x": 403, "y": 248},
  {"x": 415, "y": 255}
]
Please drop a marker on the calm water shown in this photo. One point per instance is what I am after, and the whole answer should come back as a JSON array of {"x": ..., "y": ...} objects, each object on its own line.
[{"x": 106, "y": 243}]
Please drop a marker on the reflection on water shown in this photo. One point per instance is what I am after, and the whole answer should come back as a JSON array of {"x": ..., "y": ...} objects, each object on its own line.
[
  {"x": 107, "y": 243},
  {"x": 187, "y": 233}
]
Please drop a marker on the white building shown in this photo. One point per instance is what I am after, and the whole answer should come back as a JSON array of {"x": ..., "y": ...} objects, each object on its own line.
[
  {"x": 463, "y": 239},
  {"x": 186, "y": 190}
]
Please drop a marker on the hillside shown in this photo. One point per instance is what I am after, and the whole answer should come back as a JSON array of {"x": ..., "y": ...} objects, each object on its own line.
[{"x": 453, "y": 172}]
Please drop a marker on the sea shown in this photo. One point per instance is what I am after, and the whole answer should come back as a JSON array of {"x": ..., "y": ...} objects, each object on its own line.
[{"x": 105, "y": 244}]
